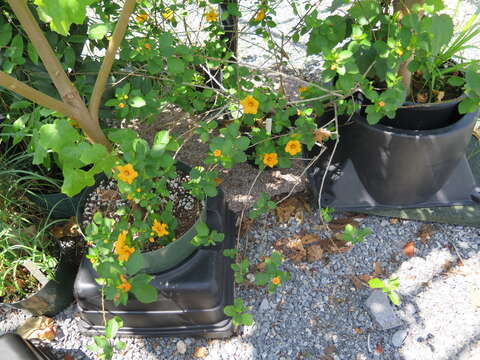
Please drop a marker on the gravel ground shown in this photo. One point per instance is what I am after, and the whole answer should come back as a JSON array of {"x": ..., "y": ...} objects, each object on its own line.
[{"x": 321, "y": 312}]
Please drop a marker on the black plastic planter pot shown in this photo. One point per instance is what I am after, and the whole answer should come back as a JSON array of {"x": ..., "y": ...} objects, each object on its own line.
[
  {"x": 59, "y": 205},
  {"x": 424, "y": 116},
  {"x": 55, "y": 296},
  {"x": 192, "y": 294},
  {"x": 384, "y": 167},
  {"x": 13, "y": 347}
]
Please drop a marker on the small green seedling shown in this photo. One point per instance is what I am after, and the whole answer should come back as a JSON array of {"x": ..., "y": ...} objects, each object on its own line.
[
  {"x": 388, "y": 286},
  {"x": 206, "y": 238},
  {"x": 238, "y": 314},
  {"x": 354, "y": 235},
  {"x": 272, "y": 276}
]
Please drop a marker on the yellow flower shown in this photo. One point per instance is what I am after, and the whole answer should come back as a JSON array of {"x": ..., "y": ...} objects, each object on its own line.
[
  {"x": 276, "y": 280},
  {"x": 250, "y": 105},
  {"x": 302, "y": 89},
  {"x": 147, "y": 46},
  {"x": 211, "y": 16},
  {"x": 217, "y": 153},
  {"x": 121, "y": 105},
  {"x": 381, "y": 104},
  {"x": 129, "y": 197},
  {"x": 293, "y": 147},
  {"x": 93, "y": 261},
  {"x": 159, "y": 228},
  {"x": 333, "y": 67},
  {"x": 270, "y": 159},
  {"x": 399, "y": 52},
  {"x": 168, "y": 14},
  {"x": 121, "y": 249},
  {"x": 260, "y": 15},
  {"x": 138, "y": 190},
  {"x": 151, "y": 239},
  {"x": 141, "y": 18},
  {"x": 127, "y": 173},
  {"x": 125, "y": 285},
  {"x": 125, "y": 97}
]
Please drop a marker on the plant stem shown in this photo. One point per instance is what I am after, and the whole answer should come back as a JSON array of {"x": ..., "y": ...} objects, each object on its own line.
[
  {"x": 65, "y": 88},
  {"x": 404, "y": 7},
  {"x": 36, "y": 96},
  {"x": 109, "y": 58}
]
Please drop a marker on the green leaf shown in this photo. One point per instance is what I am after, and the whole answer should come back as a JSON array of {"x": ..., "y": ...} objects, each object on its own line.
[
  {"x": 75, "y": 180},
  {"x": 142, "y": 289},
  {"x": 32, "y": 53},
  {"x": 58, "y": 135},
  {"x": 175, "y": 66},
  {"x": 441, "y": 32},
  {"x": 5, "y": 34},
  {"x": 394, "y": 298},
  {"x": 376, "y": 283},
  {"x": 137, "y": 102},
  {"x": 202, "y": 229},
  {"x": 61, "y": 14},
  {"x": 456, "y": 81},
  {"x": 468, "y": 105},
  {"x": 473, "y": 80},
  {"x": 69, "y": 57},
  {"x": 229, "y": 310},
  {"x": 99, "y": 31},
  {"x": 112, "y": 327},
  {"x": 135, "y": 263},
  {"x": 247, "y": 319}
]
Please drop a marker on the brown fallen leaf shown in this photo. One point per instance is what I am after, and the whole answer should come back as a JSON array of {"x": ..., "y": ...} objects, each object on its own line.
[
  {"x": 68, "y": 357},
  {"x": 378, "y": 271},
  {"x": 393, "y": 221},
  {"x": 439, "y": 95},
  {"x": 425, "y": 232},
  {"x": 68, "y": 229},
  {"x": 476, "y": 133},
  {"x": 40, "y": 327},
  {"x": 339, "y": 224},
  {"x": 356, "y": 282},
  {"x": 409, "y": 248},
  {"x": 200, "y": 352},
  {"x": 288, "y": 207},
  {"x": 292, "y": 249},
  {"x": 358, "y": 331},
  {"x": 314, "y": 253},
  {"x": 422, "y": 97},
  {"x": 245, "y": 226},
  {"x": 108, "y": 195},
  {"x": 365, "y": 278},
  {"x": 330, "y": 350},
  {"x": 322, "y": 134},
  {"x": 379, "y": 349}
]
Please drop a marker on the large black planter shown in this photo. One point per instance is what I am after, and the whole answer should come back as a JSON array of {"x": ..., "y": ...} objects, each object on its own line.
[
  {"x": 13, "y": 347},
  {"x": 384, "y": 167},
  {"x": 191, "y": 298},
  {"x": 55, "y": 296}
]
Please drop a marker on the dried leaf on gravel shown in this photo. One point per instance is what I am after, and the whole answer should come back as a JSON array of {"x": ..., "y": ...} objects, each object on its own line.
[
  {"x": 339, "y": 224},
  {"x": 358, "y": 331},
  {"x": 246, "y": 225},
  {"x": 377, "y": 269},
  {"x": 365, "y": 278},
  {"x": 409, "y": 248},
  {"x": 287, "y": 208},
  {"x": 379, "y": 349},
  {"x": 200, "y": 352},
  {"x": 330, "y": 349},
  {"x": 68, "y": 229},
  {"x": 41, "y": 327},
  {"x": 393, "y": 221},
  {"x": 310, "y": 247},
  {"x": 425, "y": 232},
  {"x": 68, "y": 357},
  {"x": 356, "y": 282}
]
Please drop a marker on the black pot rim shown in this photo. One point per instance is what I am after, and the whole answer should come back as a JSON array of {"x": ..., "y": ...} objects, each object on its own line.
[
  {"x": 464, "y": 121},
  {"x": 63, "y": 259},
  {"x": 432, "y": 106}
]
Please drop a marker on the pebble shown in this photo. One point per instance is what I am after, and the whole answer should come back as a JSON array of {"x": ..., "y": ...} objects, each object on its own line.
[
  {"x": 181, "y": 347},
  {"x": 399, "y": 337},
  {"x": 382, "y": 311},
  {"x": 264, "y": 306}
]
